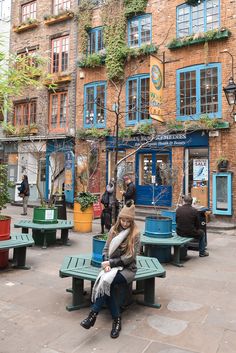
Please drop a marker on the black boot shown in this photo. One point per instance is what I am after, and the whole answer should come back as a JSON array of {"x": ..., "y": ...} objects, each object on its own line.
[
  {"x": 116, "y": 327},
  {"x": 90, "y": 320}
]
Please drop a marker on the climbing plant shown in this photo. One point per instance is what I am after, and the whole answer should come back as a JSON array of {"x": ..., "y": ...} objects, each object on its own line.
[
  {"x": 134, "y": 7},
  {"x": 85, "y": 13}
]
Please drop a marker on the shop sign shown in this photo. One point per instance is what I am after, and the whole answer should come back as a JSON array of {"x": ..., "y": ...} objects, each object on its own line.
[{"x": 156, "y": 89}]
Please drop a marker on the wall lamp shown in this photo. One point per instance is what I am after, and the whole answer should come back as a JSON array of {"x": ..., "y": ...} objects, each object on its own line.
[{"x": 230, "y": 89}]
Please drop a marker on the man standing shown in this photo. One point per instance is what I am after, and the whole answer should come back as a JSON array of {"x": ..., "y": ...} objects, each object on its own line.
[
  {"x": 129, "y": 194},
  {"x": 188, "y": 224}
]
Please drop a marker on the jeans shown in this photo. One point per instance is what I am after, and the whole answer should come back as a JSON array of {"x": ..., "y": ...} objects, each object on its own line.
[
  {"x": 112, "y": 301},
  {"x": 202, "y": 241}
]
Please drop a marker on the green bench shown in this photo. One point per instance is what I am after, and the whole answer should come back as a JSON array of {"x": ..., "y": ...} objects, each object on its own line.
[
  {"x": 63, "y": 225},
  {"x": 80, "y": 269},
  {"x": 176, "y": 241},
  {"x": 18, "y": 242}
]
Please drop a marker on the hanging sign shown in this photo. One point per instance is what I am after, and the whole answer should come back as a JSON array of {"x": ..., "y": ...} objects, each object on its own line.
[{"x": 156, "y": 89}]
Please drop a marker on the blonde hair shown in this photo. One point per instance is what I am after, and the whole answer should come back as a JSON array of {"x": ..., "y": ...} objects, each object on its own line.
[{"x": 128, "y": 244}]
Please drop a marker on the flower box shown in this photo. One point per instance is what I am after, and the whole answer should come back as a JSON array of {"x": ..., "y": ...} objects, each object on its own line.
[
  {"x": 25, "y": 26},
  {"x": 59, "y": 18}
]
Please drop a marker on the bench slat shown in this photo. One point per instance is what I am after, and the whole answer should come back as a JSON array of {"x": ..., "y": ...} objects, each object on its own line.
[
  {"x": 61, "y": 224},
  {"x": 17, "y": 241}
]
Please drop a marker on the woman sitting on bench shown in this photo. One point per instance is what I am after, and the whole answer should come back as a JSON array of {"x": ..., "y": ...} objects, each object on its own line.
[{"x": 118, "y": 268}]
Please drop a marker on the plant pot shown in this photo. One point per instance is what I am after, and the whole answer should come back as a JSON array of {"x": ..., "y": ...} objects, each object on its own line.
[
  {"x": 44, "y": 215},
  {"x": 158, "y": 227},
  {"x": 171, "y": 214},
  {"x": 97, "y": 246},
  {"x": 223, "y": 165},
  {"x": 5, "y": 224},
  {"x": 83, "y": 219}
]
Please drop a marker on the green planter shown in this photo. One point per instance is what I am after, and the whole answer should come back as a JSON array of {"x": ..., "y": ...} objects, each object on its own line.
[{"x": 44, "y": 215}]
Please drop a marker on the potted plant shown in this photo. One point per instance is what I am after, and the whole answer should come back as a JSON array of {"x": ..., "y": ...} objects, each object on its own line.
[
  {"x": 99, "y": 242},
  {"x": 83, "y": 211},
  {"x": 222, "y": 164},
  {"x": 5, "y": 221}
]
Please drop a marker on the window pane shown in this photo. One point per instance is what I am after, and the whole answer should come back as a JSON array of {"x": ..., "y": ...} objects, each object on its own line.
[
  {"x": 132, "y": 100},
  {"x": 56, "y": 55},
  {"x": 222, "y": 202},
  {"x": 145, "y": 169},
  {"x": 92, "y": 48},
  {"x": 63, "y": 108},
  {"x": 89, "y": 116},
  {"x": 28, "y": 11},
  {"x": 54, "y": 111},
  {"x": 61, "y": 5},
  {"x": 100, "y": 45},
  {"x": 198, "y": 18},
  {"x": 100, "y": 104},
  {"x": 183, "y": 21},
  {"x": 32, "y": 112},
  {"x": 145, "y": 30},
  {"x": 212, "y": 20},
  {"x": 144, "y": 100},
  {"x": 209, "y": 90},
  {"x": 133, "y": 33},
  {"x": 65, "y": 54},
  {"x": 188, "y": 93}
]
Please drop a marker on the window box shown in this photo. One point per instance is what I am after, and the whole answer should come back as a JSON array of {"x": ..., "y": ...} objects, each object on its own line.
[
  {"x": 92, "y": 60},
  {"x": 58, "y": 79},
  {"x": 199, "y": 38},
  {"x": 25, "y": 26},
  {"x": 51, "y": 19}
]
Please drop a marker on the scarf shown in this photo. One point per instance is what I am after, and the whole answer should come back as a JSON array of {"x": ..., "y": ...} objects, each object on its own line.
[{"x": 104, "y": 280}]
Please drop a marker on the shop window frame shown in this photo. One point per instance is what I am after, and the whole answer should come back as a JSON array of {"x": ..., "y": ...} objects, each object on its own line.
[
  {"x": 95, "y": 86},
  {"x": 229, "y": 210},
  {"x": 25, "y": 106},
  {"x": 58, "y": 128},
  {"x": 60, "y": 69}
]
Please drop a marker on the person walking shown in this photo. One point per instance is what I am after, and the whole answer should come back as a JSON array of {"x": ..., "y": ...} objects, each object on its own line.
[
  {"x": 118, "y": 269},
  {"x": 24, "y": 192},
  {"x": 188, "y": 224},
  {"x": 130, "y": 192}
]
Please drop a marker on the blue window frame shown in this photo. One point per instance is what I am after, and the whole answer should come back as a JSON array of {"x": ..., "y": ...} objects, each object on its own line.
[
  {"x": 140, "y": 30},
  {"x": 95, "y": 104},
  {"x": 137, "y": 99},
  {"x": 95, "y": 40},
  {"x": 222, "y": 193},
  {"x": 200, "y": 18},
  {"x": 198, "y": 91}
]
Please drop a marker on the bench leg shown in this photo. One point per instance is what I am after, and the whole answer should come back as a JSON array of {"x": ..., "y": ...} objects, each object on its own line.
[
  {"x": 64, "y": 237},
  {"x": 19, "y": 256},
  {"x": 78, "y": 301},
  {"x": 176, "y": 257},
  {"x": 25, "y": 230},
  {"x": 44, "y": 234},
  {"x": 149, "y": 294}
]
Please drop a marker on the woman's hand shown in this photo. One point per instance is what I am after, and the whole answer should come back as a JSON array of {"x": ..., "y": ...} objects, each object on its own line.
[
  {"x": 107, "y": 269},
  {"x": 105, "y": 264}
]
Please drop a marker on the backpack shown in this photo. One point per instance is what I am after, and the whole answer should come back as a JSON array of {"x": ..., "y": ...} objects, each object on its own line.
[{"x": 105, "y": 198}]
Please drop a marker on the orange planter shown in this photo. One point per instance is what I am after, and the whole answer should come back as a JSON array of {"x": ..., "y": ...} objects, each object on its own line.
[{"x": 83, "y": 219}]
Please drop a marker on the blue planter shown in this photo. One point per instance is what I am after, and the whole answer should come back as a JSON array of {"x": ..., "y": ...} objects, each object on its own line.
[
  {"x": 98, "y": 245},
  {"x": 158, "y": 227},
  {"x": 171, "y": 214},
  {"x": 162, "y": 253}
]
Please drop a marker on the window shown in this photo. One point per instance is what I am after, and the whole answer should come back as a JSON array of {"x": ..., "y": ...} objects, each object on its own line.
[
  {"x": 199, "y": 91},
  {"x": 60, "y": 6},
  {"x": 95, "y": 103},
  {"x": 4, "y": 10},
  {"x": 58, "y": 111},
  {"x": 201, "y": 18},
  {"x": 30, "y": 58},
  {"x": 139, "y": 31},
  {"x": 60, "y": 54},
  {"x": 25, "y": 113},
  {"x": 137, "y": 93},
  {"x": 95, "y": 40},
  {"x": 28, "y": 11}
]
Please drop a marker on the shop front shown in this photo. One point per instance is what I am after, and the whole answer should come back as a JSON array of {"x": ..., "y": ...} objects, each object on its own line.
[{"x": 158, "y": 174}]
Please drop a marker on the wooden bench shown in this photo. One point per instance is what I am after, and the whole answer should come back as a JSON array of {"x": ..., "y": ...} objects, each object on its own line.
[
  {"x": 63, "y": 225},
  {"x": 176, "y": 241},
  {"x": 79, "y": 268},
  {"x": 18, "y": 242}
]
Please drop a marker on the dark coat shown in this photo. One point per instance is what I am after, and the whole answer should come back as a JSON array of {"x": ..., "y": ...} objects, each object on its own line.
[
  {"x": 187, "y": 221},
  {"x": 130, "y": 192},
  {"x": 24, "y": 188}
]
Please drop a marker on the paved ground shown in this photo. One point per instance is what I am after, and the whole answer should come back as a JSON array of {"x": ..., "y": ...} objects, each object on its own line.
[{"x": 197, "y": 313}]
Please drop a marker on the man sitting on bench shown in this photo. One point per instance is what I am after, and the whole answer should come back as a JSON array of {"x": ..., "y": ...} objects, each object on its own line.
[{"x": 188, "y": 224}]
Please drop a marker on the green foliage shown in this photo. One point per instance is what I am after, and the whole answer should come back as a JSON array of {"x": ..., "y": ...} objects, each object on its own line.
[
  {"x": 140, "y": 129},
  {"x": 203, "y": 123},
  {"x": 93, "y": 133},
  {"x": 85, "y": 23},
  {"x": 134, "y": 7},
  {"x": 221, "y": 159},
  {"x": 91, "y": 61},
  {"x": 4, "y": 184},
  {"x": 8, "y": 128},
  {"x": 86, "y": 199},
  {"x": 201, "y": 37},
  {"x": 60, "y": 13},
  {"x": 145, "y": 49},
  {"x": 103, "y": 236}
]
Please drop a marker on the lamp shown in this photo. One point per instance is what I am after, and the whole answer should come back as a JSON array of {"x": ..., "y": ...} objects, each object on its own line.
[{"x": 230, "y": 92}]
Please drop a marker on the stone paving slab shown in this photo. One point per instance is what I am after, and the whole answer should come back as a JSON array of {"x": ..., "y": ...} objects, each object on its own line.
[{"x": 197, "y": 313}]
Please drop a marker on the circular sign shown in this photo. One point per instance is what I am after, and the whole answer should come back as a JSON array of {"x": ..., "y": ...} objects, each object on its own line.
[{"x": 156, "y": 77}]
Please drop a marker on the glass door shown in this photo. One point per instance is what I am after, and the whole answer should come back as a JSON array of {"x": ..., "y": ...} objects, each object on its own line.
[{"x": 153, "y": 179}]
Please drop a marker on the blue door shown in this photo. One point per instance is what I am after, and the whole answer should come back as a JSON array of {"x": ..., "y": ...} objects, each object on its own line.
[{"x": 153, "y": 179}]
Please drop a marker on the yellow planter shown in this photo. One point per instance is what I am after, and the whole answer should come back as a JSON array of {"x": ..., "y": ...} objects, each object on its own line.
[{"x": 83, "y": 219}]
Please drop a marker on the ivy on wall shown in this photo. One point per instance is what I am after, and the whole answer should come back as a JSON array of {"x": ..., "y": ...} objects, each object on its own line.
[
  {"x": 85, "y": 14},
  {"x": 134, "y": 7}
]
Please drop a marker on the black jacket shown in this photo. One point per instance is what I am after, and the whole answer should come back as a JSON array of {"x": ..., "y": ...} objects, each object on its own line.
[
  {"x": 187, "y": 221},
  {"x": 24, "y": 188},
  {"x": 130, "y": 192}
]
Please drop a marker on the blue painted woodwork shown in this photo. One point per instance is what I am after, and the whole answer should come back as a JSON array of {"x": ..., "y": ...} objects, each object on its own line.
[
  {"x": 141, "y": 27},
  {"x": 93, "y": 99},
  {"x": 222, "y": 193},
  {"x": 171, "y": 214},
  {"x": 98, "y": 245},
  {"x": 158, "y": 227}
]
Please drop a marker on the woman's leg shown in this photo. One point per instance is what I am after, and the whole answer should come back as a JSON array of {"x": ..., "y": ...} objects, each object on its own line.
[{"x": 113, "y": 301}]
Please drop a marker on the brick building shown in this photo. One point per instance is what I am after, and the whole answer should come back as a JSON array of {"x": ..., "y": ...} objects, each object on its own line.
[
  {"x": 47, "y": 28},
  {"x": 191, "y": 44}
]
